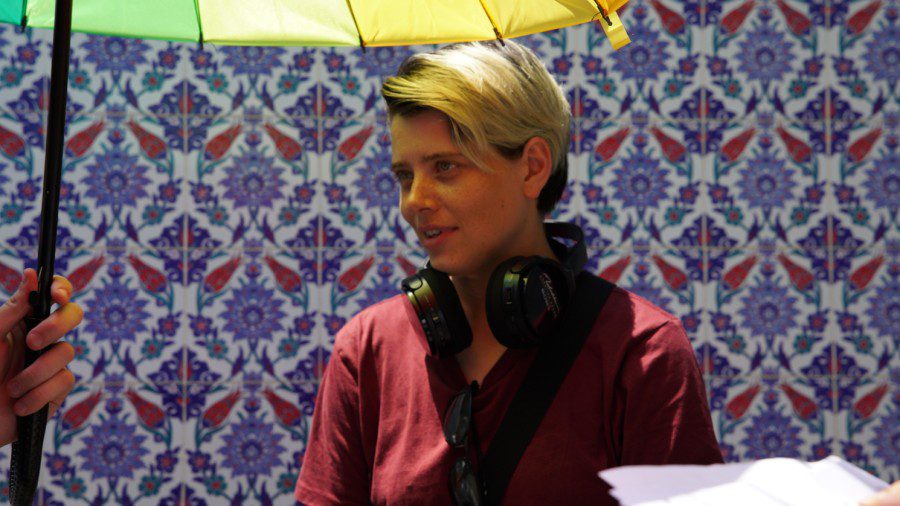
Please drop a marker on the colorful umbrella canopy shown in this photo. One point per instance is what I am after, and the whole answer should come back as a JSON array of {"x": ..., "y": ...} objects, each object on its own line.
[{"x": 320, "y": 22}]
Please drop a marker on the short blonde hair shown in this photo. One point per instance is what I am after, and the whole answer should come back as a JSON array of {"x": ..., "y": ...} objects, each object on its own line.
[{"x": 494, "y": 95}]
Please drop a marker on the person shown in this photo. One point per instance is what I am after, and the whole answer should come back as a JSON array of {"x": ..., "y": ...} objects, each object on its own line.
[
  {"x": 480, "y": 135},
  {"x": 47, "y": 380},
  {"x": 887, "y": 497}
]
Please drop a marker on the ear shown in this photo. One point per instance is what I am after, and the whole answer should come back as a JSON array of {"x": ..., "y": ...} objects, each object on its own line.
[{"x": 539, "y": 164}]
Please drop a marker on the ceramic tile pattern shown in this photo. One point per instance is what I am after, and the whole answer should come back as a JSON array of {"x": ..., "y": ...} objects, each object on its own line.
[{"x": 226, "y": 210}]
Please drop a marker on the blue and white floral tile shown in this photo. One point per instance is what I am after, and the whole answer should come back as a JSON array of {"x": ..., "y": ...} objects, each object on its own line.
[
  {"x": 121, "y": 185},
  {"x": 765, "y": 185},
  {"x": 865, "y": 300},
  {"x": 250, "y": 180},
  {"x": 21, "y": 179},
  {"x": 862, "y": 59},
  {"x": 773, "y": 414},
  {"x": 114, "y": 443},
  {"x": 251, "y": 80},
  {"x": 668, "y": 278},
  {"x": 354, "y": 279},
  {"x": 868, "y": 423},
  {"x": 559, "y": 51},
  {"x": 350, "y": 80},
  {"x": 769, "y": 55},
  {"x": 864, "y": 176},
  {"x": 361, "y": 194},
  {"x": 659, "y": 277},
  {"x": 119, "y": 179},
  {"x": 642, "y": 184},
  {"x": 251, "y": 313},
  {"x": 570, "y": 206},
  {"x": 25, "y": 74},
  {"x": 245, "y": 443},
  {"x": 133, "y": 302},
  {"x": 119, "y": 76},
  {"x": 767, "y": 311},
  {"x": 658, "y": 73},
  {"x": 123, "y": 179},
  {"x": 24, "y": 101}
]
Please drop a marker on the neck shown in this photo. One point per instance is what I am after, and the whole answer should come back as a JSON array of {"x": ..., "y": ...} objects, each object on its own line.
[{"x": 472, "y": 288}]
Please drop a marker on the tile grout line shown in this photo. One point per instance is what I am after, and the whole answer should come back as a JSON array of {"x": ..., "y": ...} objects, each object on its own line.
[{"x": 182, "y": 451}]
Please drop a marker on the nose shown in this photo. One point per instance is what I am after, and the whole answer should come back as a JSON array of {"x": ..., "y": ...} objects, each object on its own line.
[{"x": 420, "y": 197}]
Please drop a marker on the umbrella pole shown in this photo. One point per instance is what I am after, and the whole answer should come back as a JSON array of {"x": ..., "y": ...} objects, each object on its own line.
[{"x": 25, "y": 466}]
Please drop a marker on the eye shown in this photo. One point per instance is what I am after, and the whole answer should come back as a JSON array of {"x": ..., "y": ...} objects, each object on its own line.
[{"x": 444, "y": 166}]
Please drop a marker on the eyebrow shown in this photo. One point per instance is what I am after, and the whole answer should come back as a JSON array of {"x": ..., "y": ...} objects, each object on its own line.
[{"x": 433, "y": 156}]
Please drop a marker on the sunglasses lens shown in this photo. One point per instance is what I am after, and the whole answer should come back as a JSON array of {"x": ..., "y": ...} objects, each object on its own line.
[
  {"x": 457, "y": 419},
  {"x": 464, "y": 485}
]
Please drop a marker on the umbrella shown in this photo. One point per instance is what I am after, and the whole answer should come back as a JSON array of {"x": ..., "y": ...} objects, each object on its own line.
[
  {"x": 320, "y": 22},
  {"x": 261, "y": 22}
]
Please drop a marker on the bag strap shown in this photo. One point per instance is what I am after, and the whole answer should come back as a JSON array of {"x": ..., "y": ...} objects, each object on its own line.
[{"x": 544, "y": 377}]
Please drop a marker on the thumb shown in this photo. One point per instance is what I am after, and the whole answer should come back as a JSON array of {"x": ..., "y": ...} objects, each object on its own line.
[{"x": 17, "y": 307}]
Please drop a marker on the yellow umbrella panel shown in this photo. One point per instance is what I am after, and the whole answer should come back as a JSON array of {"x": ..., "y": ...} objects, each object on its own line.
[{"x": 321, "y": 22}]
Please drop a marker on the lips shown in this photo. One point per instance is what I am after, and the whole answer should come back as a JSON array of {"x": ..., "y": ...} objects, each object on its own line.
[{"x": 434, "y": 236}]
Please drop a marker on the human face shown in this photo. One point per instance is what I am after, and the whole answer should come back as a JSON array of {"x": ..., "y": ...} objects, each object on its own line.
[{"x": 467, "y": 219}]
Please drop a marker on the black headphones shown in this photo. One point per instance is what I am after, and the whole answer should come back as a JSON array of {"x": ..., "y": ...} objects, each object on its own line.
[{"x": 525, "y": 301}]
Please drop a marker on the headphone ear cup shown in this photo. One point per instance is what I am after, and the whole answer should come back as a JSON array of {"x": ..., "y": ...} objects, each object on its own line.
[
  {"x": 452, "y": 316},
  {"x": 500, "y": 302},
  {"x": 526, "y": 300}
]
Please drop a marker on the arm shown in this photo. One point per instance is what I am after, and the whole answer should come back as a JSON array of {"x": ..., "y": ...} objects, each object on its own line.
[
  {"x": 666, "y": 415},
  {"x": 334, "y": 468}
]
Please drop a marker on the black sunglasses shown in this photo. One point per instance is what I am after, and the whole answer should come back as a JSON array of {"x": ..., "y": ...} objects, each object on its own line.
[{"x": 465, "y": 484}]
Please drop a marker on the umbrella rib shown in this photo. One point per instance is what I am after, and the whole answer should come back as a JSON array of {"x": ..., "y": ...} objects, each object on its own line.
[
  {"x": 493, "y": 21},
  {"x": 24, "y": 13},
  {"x": 362, "y": 43},
  {"x": 603, "y": 7},
  {"x": 199, "y": 25}
]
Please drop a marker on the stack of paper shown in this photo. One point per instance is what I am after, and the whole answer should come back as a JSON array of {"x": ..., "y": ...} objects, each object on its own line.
[{"x": 831, "y": 481}]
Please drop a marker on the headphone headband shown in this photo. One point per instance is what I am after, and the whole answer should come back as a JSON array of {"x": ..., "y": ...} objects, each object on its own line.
[{"x": 575, "y": 257}]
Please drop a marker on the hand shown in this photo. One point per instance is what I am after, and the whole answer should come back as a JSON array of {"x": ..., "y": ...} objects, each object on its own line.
[
  {"x": 887, "y": 497},
  {"x": 47, "y": 380}
]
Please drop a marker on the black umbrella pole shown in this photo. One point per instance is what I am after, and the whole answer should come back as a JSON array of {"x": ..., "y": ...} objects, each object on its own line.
[{"x": 25, "y": 466}]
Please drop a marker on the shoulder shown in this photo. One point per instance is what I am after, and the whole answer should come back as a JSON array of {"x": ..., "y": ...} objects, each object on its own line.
[
  {"x": 628, "y": 320},
  {"x": 627, "y": 311},
  {"x": 386, "y": 323},
  {"x": 390, "y": 311}
]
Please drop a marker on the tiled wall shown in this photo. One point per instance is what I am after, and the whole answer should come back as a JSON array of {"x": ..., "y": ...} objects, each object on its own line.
[{"x": 226, "y": 210}]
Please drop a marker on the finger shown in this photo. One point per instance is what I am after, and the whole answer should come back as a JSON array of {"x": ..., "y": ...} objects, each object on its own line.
[
  {"x": 45, "y": 367},
  {"x": 17, "y": 306},
  {"x": 61, "y": 290},
  {"x": 887, "y": 497},
  {"x": 16, "y": 351},
  {"x": 59, "y": 385},
  {"x": 57, "y": 403},
  {"x": 55, "y": 326}
]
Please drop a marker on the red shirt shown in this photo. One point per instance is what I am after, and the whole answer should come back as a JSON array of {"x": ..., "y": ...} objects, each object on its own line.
[{"x": 634, "y": 395}]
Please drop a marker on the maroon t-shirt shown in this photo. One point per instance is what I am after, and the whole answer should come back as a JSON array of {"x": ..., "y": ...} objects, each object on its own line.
[{"x": 633, "y": 396}]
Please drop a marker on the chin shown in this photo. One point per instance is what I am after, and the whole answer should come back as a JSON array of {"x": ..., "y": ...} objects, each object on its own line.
[{"x": 454, "y": 267}]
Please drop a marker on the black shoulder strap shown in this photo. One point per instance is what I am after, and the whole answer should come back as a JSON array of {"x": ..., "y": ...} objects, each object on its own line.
[{"x": 540, "y": 385}]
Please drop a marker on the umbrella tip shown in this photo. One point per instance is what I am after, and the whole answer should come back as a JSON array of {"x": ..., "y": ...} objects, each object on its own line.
[{"x": 499, "y": 36}]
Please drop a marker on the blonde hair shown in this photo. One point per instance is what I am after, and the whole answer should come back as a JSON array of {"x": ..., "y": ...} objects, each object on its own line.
[{"x": 494, "y": 95}]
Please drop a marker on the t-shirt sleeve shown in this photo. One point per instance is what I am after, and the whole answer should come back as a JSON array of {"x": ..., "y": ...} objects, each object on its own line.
[
  {"x": 666, "y": 417},
  {"x": 334, "y": 469}
]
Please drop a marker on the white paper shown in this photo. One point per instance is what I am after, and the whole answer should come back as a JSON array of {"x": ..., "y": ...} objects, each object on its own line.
[{"x": 777, "y": 482}]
